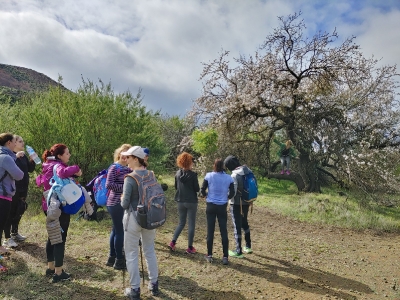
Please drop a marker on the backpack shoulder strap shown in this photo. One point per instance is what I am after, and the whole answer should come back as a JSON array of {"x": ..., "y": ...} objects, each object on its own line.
[{"x": 139, "y": 182}]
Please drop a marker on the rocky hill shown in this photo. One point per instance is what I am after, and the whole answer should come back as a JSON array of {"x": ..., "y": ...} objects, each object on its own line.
[{"x": 17, "y": 81}]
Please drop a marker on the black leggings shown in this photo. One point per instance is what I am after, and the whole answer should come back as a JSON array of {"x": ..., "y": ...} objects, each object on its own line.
[
  {"x": 5, "y": 206},
  {"x": 240, "y": 222},
  {"x": 14, "y": 216},
  {"x": 56, "y": 252},
  {"x": 213, "y": 212}
]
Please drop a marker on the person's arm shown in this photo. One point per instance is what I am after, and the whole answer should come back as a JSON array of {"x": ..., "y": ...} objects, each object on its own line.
[
  {"x": 11, "y": 167},
  {"x": 277, "y": 142},
  {"x": 111, "y": 182},
  {"x": 204, "y": 187},
  {"x": 176, "y": 182},
  {"x": 66, "y": 172},
  {"x": 235, "y": 184},
  {"x": 231, "y": 190},
  {"x": 31, "y": 164},
  {"x": 196, "y": 186},
  {"x": 127, "y": 190}
]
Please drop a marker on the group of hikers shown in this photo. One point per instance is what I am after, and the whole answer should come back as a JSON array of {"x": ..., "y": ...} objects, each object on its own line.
[{"x": 218, "y": 188}]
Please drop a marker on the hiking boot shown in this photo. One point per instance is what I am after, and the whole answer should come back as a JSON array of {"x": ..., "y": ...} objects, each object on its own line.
[
  {"x": 209, "y": 258},
  {"x": 10, "y": 243},
  {"x": 235, "y": 254},
  {"x": 224, "y": 260},
  {"x": 132, "y": 294},
  {"x": 288, "y": 172},
  {"x": 62, "y": 277},
  {"x": 171, "y": 246},
  {"x": 50, "y": 272},
  {"x": 282, "y": 172},
  {"x": 120, "y": 264},
  {"x": 191, "y": 251},
  {"x": 17, "y": 237},
  {"x": 247, "y": 250},
  {"x": 153, "y": 288},
  {"x": 111, "y": 261}
]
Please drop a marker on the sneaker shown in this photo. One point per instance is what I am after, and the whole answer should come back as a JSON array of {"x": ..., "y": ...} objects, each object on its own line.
[
  {"x": 282, "y": 172},
  {"x": 62, "y": 277},
  {"x": 288, "y": 172},
  {"x": 3, "y": 269},
  {"x": 209, "y": 258},
  {"x": 235, "y": 254},
  {"x": 18, "y": 238},
  {"x": 172, "y": 246},
  {"x": 50, "y": 272},
  {"x": 120, "y": 264},
  {"x": 111, "y": 261},
  {"x": 132, "y": 294},
  {"x": 191, "y": 251},
  {"x": 224, "y": 260},
  {"x": 153, "y": 288},
  {"x": 247, "y": 250},
  {"x": 10, "y": 243}
]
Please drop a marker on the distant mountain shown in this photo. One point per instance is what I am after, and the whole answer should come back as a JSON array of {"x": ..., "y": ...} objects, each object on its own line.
[{"x": 17, "y": 81}]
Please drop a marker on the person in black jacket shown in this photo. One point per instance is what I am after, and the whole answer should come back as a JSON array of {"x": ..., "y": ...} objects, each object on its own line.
[
  {"x": 18, "y": 204},
  {"x": 187, "y": 187}
]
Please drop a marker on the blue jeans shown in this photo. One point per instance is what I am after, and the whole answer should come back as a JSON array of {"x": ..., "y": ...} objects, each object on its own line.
[
  {"x": 189, "y": 210},
  {"x": 285, "y": 160},
  {"x": 117, "y": 232}
]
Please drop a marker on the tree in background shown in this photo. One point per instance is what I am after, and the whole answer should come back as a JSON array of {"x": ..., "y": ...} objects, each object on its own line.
[
  {"x": 339, "y": 109},
  {"x": 92, "y": 122}
]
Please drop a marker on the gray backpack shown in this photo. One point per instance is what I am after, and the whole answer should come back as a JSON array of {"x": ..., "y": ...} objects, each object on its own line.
[{"x": 151, "y": 209}]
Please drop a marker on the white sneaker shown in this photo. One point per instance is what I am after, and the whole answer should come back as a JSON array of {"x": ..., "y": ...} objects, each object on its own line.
[
  {"x": 10, "y": 243},
  {"x": 18, "y": 238}
]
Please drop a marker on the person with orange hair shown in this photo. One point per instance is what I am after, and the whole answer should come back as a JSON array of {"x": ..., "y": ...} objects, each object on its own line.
[{"x": 187, "y": 187}]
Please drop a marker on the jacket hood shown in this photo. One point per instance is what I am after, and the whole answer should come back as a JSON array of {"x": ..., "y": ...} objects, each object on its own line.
[
  {"x": 185, "y": 176},
  {"x": 231, "y": 162},
  {"x": 242, "y": 170},
  {"x": 49, "y": 164},
  {"x": 6, "y": 151}
]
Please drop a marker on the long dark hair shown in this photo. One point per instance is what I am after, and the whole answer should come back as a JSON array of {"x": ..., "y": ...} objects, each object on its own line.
[{"x": 218, "y": 165}]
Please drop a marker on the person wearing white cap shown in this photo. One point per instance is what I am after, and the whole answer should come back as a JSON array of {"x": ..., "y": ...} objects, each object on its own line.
[{"x": 134, "y": 232}]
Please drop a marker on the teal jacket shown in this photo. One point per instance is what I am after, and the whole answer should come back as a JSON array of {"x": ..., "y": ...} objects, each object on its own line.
[{"x": 282, "y": 147}]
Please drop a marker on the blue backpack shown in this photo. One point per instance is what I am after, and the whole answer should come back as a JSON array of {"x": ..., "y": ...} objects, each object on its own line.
[
  {"x": 68, "y": 192},
  {"x": 250, "y": 188},
  {"x": 98, "y": 186}
]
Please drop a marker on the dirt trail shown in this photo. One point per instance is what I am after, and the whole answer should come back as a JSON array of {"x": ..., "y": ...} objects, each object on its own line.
[{"x": 295, "y": 260}]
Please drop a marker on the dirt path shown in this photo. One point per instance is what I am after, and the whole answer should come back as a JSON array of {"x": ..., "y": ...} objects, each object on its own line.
[
  {"x": 294, "y": 260},
  {"x": 291, "y": 260}
]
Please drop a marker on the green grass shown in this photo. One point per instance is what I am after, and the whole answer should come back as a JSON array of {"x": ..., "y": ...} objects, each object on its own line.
[{"x": 328, "y": 207}]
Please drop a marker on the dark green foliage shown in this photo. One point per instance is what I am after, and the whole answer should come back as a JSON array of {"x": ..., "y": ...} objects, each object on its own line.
[{"x": 92, "y": 122}]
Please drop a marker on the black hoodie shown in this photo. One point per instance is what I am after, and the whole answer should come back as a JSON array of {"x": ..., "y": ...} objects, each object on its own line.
[{"x": 187, "y": 186}]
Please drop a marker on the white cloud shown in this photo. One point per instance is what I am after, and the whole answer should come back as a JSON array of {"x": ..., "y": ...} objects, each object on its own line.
[{"x": 159, "y": 45}]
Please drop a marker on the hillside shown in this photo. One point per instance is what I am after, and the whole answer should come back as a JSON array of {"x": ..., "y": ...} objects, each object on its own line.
[{"x": 17, "y": 81}]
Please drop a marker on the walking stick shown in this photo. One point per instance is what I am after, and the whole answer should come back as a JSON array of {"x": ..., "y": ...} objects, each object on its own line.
[{"x": 141, "y": 258}]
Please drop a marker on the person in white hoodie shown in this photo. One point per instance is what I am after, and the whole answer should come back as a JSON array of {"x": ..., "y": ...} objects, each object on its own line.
[{"x": 239, "y": 209}]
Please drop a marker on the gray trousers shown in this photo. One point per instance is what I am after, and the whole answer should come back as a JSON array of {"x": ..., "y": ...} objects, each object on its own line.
[
  {"x": 186, "y": 210},
  {"x": 285, "y": 160}
]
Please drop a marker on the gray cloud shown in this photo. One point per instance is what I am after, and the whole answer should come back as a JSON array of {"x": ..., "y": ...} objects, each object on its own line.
[{"x": 159, "y": 45}]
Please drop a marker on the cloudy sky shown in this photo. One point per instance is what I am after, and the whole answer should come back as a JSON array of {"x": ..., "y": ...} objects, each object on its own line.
[{"x": 159, "y": 45}]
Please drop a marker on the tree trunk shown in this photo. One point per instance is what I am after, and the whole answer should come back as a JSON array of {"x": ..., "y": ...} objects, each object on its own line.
[{"x": 309, "y": 174}]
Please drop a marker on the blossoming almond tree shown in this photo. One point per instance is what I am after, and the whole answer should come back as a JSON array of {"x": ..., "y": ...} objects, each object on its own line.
[{"x": 340, "y": 109}]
